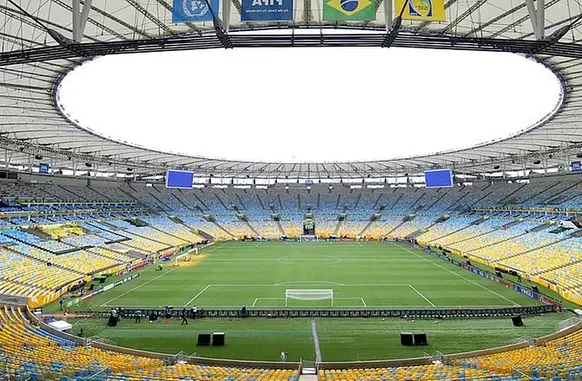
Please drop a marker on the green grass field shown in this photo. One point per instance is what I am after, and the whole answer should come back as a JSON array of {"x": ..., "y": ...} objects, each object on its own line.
[{"x": 360, "y": 274}]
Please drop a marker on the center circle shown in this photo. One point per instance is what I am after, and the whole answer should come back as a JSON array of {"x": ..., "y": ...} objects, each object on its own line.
[{"x": 310, "y": 261}]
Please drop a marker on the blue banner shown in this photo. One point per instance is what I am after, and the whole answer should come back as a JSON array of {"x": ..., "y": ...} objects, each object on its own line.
[
  {"x": 194, "y": 10},
  {"x": 43, "y": 168},
  {"x": 576, "y": 166},
  {"x": 266, "y": 10}
]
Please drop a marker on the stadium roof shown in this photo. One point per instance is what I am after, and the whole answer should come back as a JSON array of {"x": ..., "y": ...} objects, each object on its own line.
[{"x": 32, "y": 129}]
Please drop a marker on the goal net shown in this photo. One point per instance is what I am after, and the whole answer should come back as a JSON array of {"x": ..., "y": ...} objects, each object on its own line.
[
  {"x": 308, "y": 294},
  {"x": 186, "y": 256}
]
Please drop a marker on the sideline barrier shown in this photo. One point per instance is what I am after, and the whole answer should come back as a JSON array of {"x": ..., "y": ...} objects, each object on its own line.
[{"x": 428, "y": 312}]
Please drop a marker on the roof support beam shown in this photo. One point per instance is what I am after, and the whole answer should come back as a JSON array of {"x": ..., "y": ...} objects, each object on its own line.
[
  {"x": 226, "y": 5},
  {"x": 388, "y": 14},
  {"x": 80, "y": 17},
  {"x": 537, "y": 17}
]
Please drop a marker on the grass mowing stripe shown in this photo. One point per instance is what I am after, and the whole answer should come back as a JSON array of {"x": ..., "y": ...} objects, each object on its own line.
[
  {"x": 138, "y": 287},
  {"x": 421, "y": 295},
  {"x": 461, "y": 276}
]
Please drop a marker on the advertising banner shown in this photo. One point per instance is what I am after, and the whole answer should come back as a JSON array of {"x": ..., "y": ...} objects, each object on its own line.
[
  {"x": 349, "y": 10},
  {"x": 266, "y": 10},
  {"x": 194, "y": 10},
  {"x": 421, "y": 10}
]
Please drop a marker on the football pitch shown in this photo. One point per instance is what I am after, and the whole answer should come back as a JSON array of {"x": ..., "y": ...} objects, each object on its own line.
[{"x": 360, "y": 275}]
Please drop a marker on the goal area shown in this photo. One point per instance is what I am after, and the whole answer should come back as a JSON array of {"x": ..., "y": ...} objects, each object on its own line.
[{"x": 308, "y": 294}]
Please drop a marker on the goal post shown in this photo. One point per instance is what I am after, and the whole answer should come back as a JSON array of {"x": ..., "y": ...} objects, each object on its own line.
[
  {"x": 308, "y": 294},
  {"x": 182, "y": 257},
  {"x": 308, "y": 238}
]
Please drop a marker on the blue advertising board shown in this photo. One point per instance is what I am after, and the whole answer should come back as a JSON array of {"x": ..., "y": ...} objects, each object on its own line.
[
  {"x": 194, "y": 10},
  {"x": 43, "y": 168},
  {"x": 576, "y": 166},
  {"x": 266, "y": 10}
]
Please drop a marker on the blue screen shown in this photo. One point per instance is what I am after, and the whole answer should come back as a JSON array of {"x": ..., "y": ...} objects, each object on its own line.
[
  {"x": 439, "y": 178},
  {"x": 179, "y": 179},
  {"x": 43, "y": 168}
]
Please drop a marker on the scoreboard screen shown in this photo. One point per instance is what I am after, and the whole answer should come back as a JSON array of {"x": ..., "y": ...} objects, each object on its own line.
[
  {"x": 179, "y": 179},
  {"x": 438, "y": 179}
]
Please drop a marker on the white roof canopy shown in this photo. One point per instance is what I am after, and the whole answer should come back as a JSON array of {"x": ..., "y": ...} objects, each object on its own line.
[{"x": 32, "y": 63}]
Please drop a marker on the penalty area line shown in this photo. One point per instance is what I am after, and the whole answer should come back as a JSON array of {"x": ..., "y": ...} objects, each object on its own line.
[
  {"x": 461, "y": 276},
  {"x": 421, "y": 295},
  {"x": 197, "y": 295},
  {"x": 138, "y": 287}
]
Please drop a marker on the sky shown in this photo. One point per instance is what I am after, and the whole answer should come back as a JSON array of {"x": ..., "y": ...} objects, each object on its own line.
[{"x": 308, "y": 104}]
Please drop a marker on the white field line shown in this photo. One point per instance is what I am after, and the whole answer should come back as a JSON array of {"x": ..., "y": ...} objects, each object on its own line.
[
  {"x": 258, "y": 244},
  {"x": 216, "y": 247},
  {"x": 360, "y": 244},
  {"x": 363, "y": 302},
  {"x": 139, "y": 286},
  {"x": 307, "y": 282},
  {"x": 421, "y": 295},
  {"x": 310, "y": 282},
  {"x": 255, "y": 302},
  {"x": 336, "y": 307},
  {"x": 345, "y": 307},
  {"x": 461, "y": 276},
  {"x": 197, "y": 295}
]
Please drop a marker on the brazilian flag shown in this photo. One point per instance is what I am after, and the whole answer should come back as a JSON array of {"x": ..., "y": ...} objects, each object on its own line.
[{"x": 350, "y": 10}]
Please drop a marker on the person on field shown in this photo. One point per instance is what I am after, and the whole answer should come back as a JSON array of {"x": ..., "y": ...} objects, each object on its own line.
[{"x": 184, "y": 318}]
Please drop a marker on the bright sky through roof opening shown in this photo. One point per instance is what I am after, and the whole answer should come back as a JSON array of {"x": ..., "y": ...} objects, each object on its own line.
[{"x": 306, "y": 104}]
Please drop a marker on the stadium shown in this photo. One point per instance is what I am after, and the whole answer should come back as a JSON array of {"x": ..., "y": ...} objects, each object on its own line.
[{"x": 249, "y": 190}]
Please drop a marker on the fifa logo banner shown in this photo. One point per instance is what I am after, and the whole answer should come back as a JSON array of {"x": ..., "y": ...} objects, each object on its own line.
[
  {"x": 193, "y": 10},
  {"x": 266, "y": 10},
  {"x": 349, "y": 10},
  {"x": 422, "y": 10}
]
